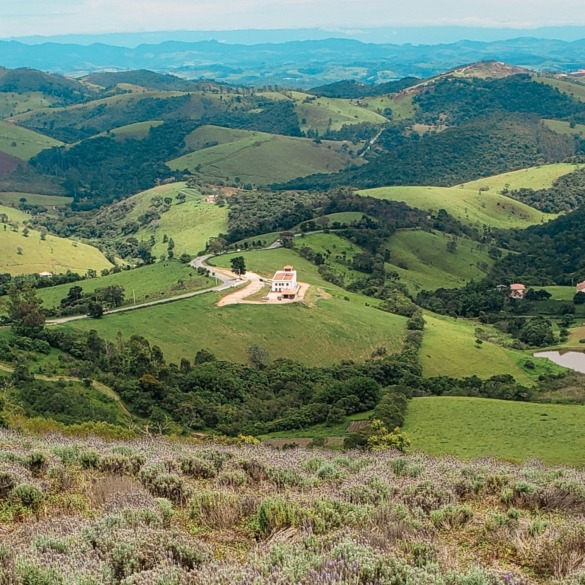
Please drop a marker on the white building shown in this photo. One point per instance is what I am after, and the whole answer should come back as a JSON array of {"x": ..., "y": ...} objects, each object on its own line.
[{"x": 284, "y": 282}]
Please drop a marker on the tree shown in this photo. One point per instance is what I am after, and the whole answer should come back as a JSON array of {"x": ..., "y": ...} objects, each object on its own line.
[
  {"x": 380, "y": 439},
  {"x": 24, "y": 310},
  {"x": 95, "y": 310},
  {"x": 238, "y": 265},
  {"x": 258, "y": 356},
  {"x": 579, "y": 298}
]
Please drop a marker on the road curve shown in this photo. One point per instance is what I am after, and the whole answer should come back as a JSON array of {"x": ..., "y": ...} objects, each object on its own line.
[{"x": 227, "y": 282}]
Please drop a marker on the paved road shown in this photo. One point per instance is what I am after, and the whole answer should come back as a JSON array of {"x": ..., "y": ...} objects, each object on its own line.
[{"x": 227, "y": 282}]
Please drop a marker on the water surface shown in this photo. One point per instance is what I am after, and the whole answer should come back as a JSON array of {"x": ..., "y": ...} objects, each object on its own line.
[{"x": 575, "y": 360}]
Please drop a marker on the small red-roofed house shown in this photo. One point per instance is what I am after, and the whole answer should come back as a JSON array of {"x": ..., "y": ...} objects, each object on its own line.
[
  {"x": 517, "y": 290},
  {"x": 581, "y": 287}
]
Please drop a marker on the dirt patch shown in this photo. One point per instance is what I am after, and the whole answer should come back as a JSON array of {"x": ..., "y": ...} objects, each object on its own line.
[{"x": 8, "y": 163}]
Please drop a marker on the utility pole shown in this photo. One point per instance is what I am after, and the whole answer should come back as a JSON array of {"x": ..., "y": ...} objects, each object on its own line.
[{"x": 134, "y": 296}]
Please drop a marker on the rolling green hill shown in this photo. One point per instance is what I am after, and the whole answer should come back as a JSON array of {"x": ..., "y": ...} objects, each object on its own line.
[
  {"x": 13, "y": 198},
  {"x": 190, "y": 224},
  {"x": 449, "y": 349},
  {"x": 12, "y": 104},
  {"x": 25, "y": 255},
  {"x": 480, "y": 427},
  {"x": 141, "y": 285},
  {"x": 424, "y": 263},
  {"x": 23, "y": 143},
  {"x": 260, "y": 158},
  {"x": 470, "y": 206},
  {"x": 540, "y": 177},
  {"x": 325, "y": 329}
]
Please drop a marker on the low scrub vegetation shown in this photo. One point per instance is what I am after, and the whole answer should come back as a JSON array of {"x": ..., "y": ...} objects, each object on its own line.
[{"x": 159, "y": 511}]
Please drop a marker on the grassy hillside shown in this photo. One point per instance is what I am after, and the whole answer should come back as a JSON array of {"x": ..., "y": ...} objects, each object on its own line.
[
  {"x": 329, "y": 331},
  {"x": 400, "y": 104},
  {"x": 147, "y": 283},
  {"x": 325, "y": 329},
  {"x": 449, "y": 349},
  {"x": 480, "y": 427},
  {"x": 322, "y": 113},
  {"x": 12, "y": 104},
  {"x": 23, "y": 143},
  {"x": 541, "y": 177},
  {"x": 561, "y": 127},
  {"x": 261, "y": 158},
  {"x": 138, "y": 130},
  {"x": 190, "y": 224},
  {"x": 468, "y": 205},
  {"x": 24, "y": 255},
  {"x": 566, "y": 86},
  {"x": 12, "y": 198},
  {"x": 423, "y": 262}
]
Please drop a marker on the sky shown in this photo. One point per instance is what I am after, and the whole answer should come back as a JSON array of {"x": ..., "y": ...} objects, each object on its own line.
[{"x": 58, "y": 17}]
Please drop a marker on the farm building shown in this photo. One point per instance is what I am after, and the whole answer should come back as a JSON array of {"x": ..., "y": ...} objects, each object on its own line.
[
  {"x": 581, "y": 286},
  {"x": 517, "y": 290},
  {"x": 284, "y": 282}
]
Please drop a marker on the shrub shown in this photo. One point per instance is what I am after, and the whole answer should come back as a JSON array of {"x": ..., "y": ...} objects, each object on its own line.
[
  {"x": 451, "y": 516},
  {"x": 197, "y": 468},
  {"x": 233, "y": 479},
  {"x": 164, "y": 485},
  {"x": 27, "y": 495},
  {"x": 36, "y": 462},
  {"x": 7, "y": 483},
  {"x": 275, "y": 513},
  {"x": 218, "y": 510}
]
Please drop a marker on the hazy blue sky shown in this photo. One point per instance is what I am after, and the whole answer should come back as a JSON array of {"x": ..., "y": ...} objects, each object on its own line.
[{"x": 48, "y": 17}]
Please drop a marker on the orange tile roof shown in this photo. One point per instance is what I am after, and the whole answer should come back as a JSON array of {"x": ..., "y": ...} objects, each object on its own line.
[
  {"x": 517, "y": 286},
  {"x": 283, "y": 276}
]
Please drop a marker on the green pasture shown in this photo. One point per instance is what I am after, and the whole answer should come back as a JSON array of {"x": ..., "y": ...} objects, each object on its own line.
[
  {"x": 12, "y": 198},
  {"x": 473, "y": 207},
  {"x": 260, "y": 158},
  {"x": 190, "y": 224},
  {"x": 325, "y": 331},
  {"x": 26, "y": 255},
  {"x": 23, "y": 143},
  {"x": 449, "y": 349},
  {"x": 469, "y": 428},
  {"x": 423, "y": 262},
  {"x": 147, "y": 283},
  {"x": 540, "y": 177}
]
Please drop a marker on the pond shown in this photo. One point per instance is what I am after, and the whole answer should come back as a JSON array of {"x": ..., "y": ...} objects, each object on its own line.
[{"x": 575, "y": 360}]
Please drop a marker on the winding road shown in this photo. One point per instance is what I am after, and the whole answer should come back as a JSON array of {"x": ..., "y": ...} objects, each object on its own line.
[{"x": 227, "y": 282}]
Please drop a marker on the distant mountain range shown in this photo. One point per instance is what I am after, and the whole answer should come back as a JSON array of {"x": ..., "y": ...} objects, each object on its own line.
[{"x": 300, "y": 64}]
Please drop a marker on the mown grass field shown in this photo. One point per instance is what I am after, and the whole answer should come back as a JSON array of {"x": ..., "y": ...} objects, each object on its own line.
[
  {"x": 430, "y": 265},
  {"x": 478, "y": 427},
  {"x": 12, "y": 198},
  {"x": 260, "y": 158},
  {"x": 144, "y": 284},
  {"x": 54, "y": 254},
  {"x": 190, "y": 224},
  {"x": 540, "y": 177},
  {"x": 449, "y": 349},
  {"x": 23, "y": 143},
  {"x": 468, "y": 205}
]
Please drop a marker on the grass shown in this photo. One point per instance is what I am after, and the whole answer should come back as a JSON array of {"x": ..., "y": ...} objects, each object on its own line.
[
  {"x": 324, "y": 333},
  {"x": 540, "y": 177},
  {"x": 449, "y": 349},
  {"x": 565, "y": 128},
  {"x": 324, "y": 113},
  {"x": 12, "y": 104},
  {"x": 260, "y": 158},
  {"x": 479, "y": 427},
  {"x": 560, "y": 293},
  {"x": 326, "y": 329},
  {"x": 468, "y": 205},
  {"x": 190, "y": 224},
  {"x": 12, "y": 198},
  {"x": 572, "y": 88},
  {"x": 54, "y": 254},
  {"x": 428, "y": 263},
  {"x": 401, "y": 105},
  {"x": 147, "y": 283},
  {"x": 23, "y": 143}
]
